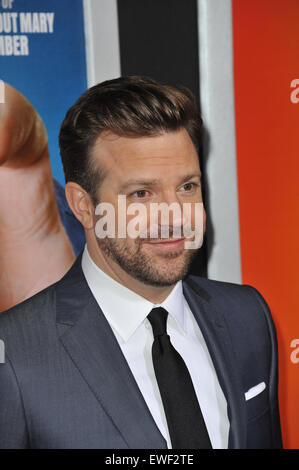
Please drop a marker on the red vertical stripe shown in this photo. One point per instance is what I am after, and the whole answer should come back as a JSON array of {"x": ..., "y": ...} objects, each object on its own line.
[{"x": 266, "y": 60}]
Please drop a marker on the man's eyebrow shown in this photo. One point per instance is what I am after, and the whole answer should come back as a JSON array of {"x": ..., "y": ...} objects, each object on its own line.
[
  {"x": 142, "y": 182},
  {"x": 190, "y": 176}
]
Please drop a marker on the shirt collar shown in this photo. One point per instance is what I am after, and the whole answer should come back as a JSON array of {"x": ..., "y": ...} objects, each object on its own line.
[{"x": 124, "y": 309}]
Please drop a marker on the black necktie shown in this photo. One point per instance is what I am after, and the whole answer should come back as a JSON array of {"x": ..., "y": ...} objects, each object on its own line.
[{"x": 186, "y": 425}]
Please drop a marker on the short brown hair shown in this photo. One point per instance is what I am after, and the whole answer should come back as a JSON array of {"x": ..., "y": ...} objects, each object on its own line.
[{"x": 127, "y": 106}]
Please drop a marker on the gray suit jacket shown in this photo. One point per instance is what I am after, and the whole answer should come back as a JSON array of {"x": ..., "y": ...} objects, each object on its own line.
[{"x": 66, "y": 384}]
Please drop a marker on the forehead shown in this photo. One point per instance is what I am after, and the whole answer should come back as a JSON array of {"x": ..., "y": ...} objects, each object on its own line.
[{"x": 161, "y": 154}]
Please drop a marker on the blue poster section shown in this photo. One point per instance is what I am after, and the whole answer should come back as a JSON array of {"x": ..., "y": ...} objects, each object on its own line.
[{"x": 42, "y": 54}]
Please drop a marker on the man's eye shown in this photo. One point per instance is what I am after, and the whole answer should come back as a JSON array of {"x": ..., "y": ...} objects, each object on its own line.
[
  {"x": 189, "y": 186},
  {"x": 141, "y": 193}
]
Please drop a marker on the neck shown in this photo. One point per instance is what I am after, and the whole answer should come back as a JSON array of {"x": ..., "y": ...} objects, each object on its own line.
[{"x": 154, "y": 294}]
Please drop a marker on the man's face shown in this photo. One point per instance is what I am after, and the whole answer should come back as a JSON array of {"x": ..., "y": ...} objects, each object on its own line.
[{"x": 147, "y": 170}]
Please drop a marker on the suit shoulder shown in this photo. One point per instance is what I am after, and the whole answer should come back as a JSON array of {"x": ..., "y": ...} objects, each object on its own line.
[
  {"x": 211, "y": 288},
  {"x": 239, "y": 303},
  {"x": 28, "y": 315}
]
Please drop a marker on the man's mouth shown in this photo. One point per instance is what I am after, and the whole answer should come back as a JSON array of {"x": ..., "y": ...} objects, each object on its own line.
[{"x": 167, "y": 244}]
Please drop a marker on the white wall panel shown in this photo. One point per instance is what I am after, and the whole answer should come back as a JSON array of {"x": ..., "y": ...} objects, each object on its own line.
[
  {"x": 102, "y": 41},
  {"x": 217, "y": 106}
]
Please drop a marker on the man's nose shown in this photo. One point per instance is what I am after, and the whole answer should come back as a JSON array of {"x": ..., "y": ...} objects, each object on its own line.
[{"x": 175, "y": 206}]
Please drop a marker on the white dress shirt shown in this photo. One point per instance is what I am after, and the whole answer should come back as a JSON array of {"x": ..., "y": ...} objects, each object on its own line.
[{"x": 126, "y": 312}]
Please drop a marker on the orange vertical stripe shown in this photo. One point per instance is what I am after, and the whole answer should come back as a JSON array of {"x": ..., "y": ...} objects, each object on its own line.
[{"x": 266, "y": 60}]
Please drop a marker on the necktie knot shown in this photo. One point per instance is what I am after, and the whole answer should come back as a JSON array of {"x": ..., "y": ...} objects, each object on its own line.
[{"x": 158, "y": 319}]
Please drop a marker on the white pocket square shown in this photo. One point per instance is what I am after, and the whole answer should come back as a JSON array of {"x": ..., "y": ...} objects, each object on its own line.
[{"x": 252, "y": 392}]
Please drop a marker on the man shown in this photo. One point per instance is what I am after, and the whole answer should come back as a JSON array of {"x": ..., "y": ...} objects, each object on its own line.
[
  {"x": 127, "y": 350},
  {"x": 31, "y": 231}
]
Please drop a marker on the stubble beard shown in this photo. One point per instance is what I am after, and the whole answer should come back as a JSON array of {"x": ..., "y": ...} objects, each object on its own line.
[{"x": 150, "y": 270}]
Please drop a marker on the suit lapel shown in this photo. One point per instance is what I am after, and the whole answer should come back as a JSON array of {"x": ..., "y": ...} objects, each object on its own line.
[
  {"x": 89, "y": 340},
  {"x": 215, "y": 332}
]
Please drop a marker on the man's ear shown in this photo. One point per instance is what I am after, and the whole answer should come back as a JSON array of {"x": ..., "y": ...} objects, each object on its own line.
[{"x": 80, "y": 204}]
